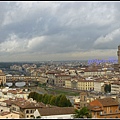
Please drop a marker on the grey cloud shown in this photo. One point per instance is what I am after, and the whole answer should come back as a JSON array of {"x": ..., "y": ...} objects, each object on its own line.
[{"x": 67, "y": 27}]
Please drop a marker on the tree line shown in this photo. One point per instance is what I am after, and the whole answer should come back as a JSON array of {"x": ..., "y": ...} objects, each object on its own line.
[
  {"x": 56, "y": 100},
  {"x": 107, "y": 88}
]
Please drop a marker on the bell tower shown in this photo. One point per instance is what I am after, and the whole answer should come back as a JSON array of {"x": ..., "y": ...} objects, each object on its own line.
[
  {"x": 118, "y": 53},
  {"x": 83, "y": 99}
]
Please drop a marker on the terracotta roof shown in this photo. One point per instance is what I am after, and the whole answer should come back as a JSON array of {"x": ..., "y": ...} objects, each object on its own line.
[
  {"x": 27, "y": 104},
  {"x": 95, "y": 105},
  {"x": 8, "y": 102},
  {"x": 62, "y": 75},
  {"x": 12, "y": 91},
  {"x": 4, "y": 113},
  {"x": 56, "y": 111},
  {"x": 108, "y": 101},
  {"x": 116, "y": 83},
  {"x": 91, "y": 70},
  {"x": 95, "y": 108}
]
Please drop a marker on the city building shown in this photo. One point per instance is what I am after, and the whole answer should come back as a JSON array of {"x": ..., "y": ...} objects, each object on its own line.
[
  {"x": 83, "y": 99},
  {"x": 118, "y": 53},
  {"x": 2, "y": 77},
  {"x": 98, "y": 85},
  {"x": 93, "y": 72},
  {"x": 57, "y": 112},
  {"x": 104, "y": 108},
  {"x": 117, "y": 65},
  {"x": 115, "y": 87},
  {"x": 80, "y": 84},
  {"x": 25, "y": 108},
  {"x": 9, "y": 115},
  {"x": 60, "y": 79}
]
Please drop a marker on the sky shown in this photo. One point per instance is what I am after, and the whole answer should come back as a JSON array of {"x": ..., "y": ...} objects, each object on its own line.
[{"x": 43, "y": 31}]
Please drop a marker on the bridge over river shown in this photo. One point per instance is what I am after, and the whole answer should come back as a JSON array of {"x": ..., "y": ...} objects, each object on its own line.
[{"x": 21, "y": 81}]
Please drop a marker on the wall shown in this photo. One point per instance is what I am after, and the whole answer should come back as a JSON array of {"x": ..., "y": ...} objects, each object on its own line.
[{"x": 68, "y": 116}]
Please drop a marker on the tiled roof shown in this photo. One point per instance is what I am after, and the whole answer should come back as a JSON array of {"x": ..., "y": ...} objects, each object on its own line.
[
  {"x": 116, "y": 83},
  {"x": 4, "y": 113},
  {"x": 108, "y": 101},
  {"x": 95, "y": 108},
  {"x": 22, "y": 103},
  {"x": 56, "y": 111},
  {"x": 61, "y": 75},
  {"x": 98, "y": 104},
  {"x": 95, "y": 105},
  {"x": 8, "y": 102},
  {"x": 27, "y": 104}
]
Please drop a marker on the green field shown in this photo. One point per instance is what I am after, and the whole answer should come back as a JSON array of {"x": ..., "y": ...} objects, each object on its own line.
[
  {"x": 58, "y": 90},
  {"x": 61, "y": 91}
]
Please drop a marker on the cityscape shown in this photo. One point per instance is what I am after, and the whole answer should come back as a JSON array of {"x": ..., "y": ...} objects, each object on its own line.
[{"x": 59, "y": 60}]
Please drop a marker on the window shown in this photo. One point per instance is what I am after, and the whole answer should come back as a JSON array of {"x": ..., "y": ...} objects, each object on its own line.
[
  {"x": 31, "y": 116},
  {"x": 84, "y": 97},
  {"x": 116, "y": 110},
  {"x": 31, "y": 111},
  {"x": 100, "y": 113},
  {"x": 84, "y": 105},
  {"x": 27, "y": 111},
  {"x": 116, "y": 116},
  {"x": 27, "y": 116}
]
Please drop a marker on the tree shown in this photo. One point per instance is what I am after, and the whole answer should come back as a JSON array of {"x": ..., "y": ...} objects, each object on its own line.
[
  {"x": 39, "y": 98},
  {"x": 69, "y": 103},
  {"x": 63, "y": 101},
  {"x": 49, "y": 98},
  {"x": 31, "y": 95},
  {"x": 35, "y": 96},
  {"x": 52, "y": 101},
  {"x": 107, "y": 88},
  {"x": 46, "y": 98},
  {"x": 82, "y": 113},
  {"x": 58, "y": 99},
  {"x": 43, "y": 97}
]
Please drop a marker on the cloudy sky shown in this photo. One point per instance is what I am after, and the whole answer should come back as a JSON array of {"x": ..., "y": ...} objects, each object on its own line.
[{"x": 42, "y": 31}]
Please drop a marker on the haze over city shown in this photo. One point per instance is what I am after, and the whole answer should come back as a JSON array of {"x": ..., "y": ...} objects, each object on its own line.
[{"x": 41, "y": 31}]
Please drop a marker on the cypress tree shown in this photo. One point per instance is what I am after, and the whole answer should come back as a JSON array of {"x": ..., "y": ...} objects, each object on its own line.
[{"x": 53, "y": 100}]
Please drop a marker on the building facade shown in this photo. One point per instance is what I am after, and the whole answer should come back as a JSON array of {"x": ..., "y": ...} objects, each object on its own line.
[
  {"x": 2, "y": 77},
  {"x": 98, "y": 86},
  {"x": 83, "y": 99},
  {"x": 60, "y": 79},
  {"x": 115, "y": 87},
  {"x": 80, "y": 84},
  {"x": 118, "y": 53},
  {"x": 104, "y": 108}
]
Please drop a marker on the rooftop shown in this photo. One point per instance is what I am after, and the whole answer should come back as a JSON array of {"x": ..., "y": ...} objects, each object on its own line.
[{"x": 56, "y": 111}]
